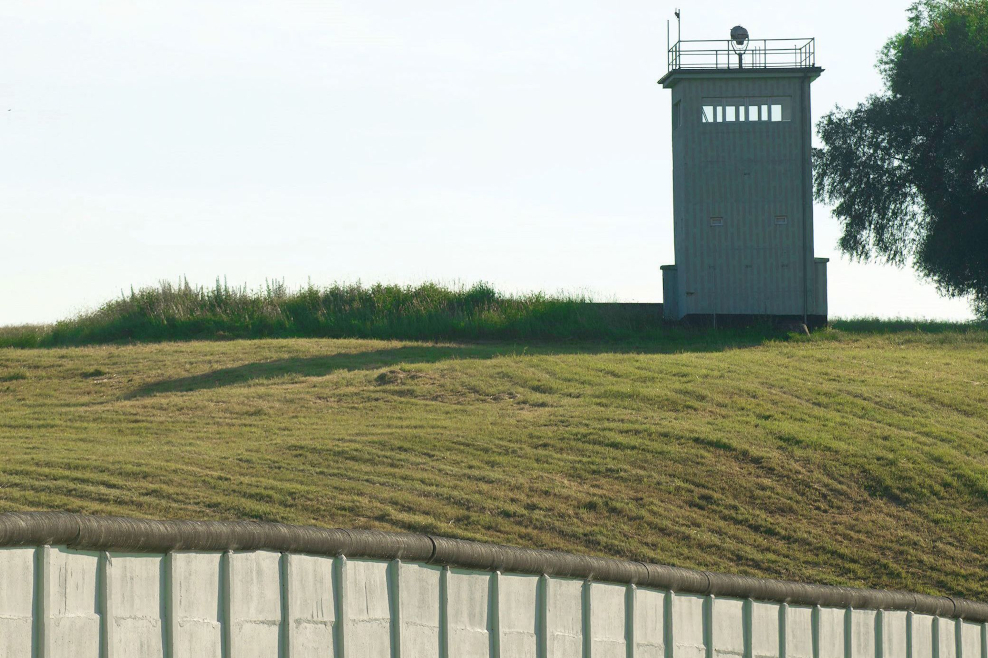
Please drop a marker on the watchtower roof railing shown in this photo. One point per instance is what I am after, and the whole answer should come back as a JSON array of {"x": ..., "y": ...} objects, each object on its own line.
[{"x": 760, "y": 54}]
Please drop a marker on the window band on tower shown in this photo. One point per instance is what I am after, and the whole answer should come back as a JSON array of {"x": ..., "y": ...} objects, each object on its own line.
[{"x": 746, "y": 109}]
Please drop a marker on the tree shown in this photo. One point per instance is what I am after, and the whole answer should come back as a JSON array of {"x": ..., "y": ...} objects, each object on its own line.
[{"x": 907, "y": 170}]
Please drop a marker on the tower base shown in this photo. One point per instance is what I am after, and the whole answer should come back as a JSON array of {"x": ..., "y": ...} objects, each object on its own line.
[{"x": 735, "y": 320}]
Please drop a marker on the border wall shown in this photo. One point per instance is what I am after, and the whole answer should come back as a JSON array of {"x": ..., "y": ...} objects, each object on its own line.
[{"x": 97, "y": 587}]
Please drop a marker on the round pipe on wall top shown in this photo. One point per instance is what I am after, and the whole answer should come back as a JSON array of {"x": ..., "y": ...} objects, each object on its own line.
[{"x": 94, "y": 533}]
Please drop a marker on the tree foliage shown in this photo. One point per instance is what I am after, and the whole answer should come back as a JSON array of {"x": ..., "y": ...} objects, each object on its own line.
[{"x": 907, "y": 170}]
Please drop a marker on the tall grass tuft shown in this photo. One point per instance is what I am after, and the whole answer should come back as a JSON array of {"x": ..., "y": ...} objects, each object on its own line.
[{"x": 424, "y": 312}]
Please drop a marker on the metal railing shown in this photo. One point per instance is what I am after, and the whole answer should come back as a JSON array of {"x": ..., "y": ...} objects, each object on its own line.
[{"x": 760, "y": 54}]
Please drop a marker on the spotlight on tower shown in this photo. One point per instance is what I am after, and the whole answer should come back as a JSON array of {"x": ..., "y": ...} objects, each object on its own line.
[
  {"x": 739, "y": 35},
  {"x": 739, "y": 42}
]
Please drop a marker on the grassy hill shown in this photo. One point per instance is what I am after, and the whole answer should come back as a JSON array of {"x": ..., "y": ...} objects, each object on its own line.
[{"x": 851, "y": 457}]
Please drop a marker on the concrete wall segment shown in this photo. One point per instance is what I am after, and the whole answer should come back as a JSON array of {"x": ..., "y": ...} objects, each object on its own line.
[
  {"x": 17, "y": 608},
  {"x": 86, "y": 601},
  {"x": 110, "y": 533}
]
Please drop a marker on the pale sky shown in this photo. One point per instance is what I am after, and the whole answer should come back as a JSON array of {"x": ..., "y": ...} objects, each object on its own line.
[{"x": 523, "y": 143}]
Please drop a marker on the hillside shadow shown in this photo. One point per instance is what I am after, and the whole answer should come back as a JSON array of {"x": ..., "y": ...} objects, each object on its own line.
[
  {"x": 319, "y": 366},
  {"x": 313, "y": 366}
]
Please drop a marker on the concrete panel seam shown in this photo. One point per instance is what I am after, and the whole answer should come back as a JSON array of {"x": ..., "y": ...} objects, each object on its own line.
[
  {"x": 444, "y": 612},
  {"x": 668, "y": 635},
  {"x": 630, "y": 604},
  {"x": 909, "y": 635},
  {"x": 105, "y": 605},
  {"x": 168, "y": 605},
  {"x": 936, "y": 637},
  {"x": 848, "y": 633},
  {"x": 586, "y": 625},
  {"x": 394, "y": 584},
  {"x": 342, "y": 617},
  {"x": 815, "y": 630},
  {"x": 226, "y": 604},
  {"x": 747, "y": 612},
  {"x": 880, "y": 634},
  {"x": 494, "y": 614},
  {"x": 285, "y": 578},
  {"x": 42, "y": 600},
  {"x": 783, "y": 630},
  {"x": 541, "y": 617}
]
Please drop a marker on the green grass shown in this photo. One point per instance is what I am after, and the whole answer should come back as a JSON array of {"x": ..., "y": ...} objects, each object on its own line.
[
  {"x": 424, "y": 312},
  {"x": 390, "y": 312},
  {"x": 854, "y": 457}
]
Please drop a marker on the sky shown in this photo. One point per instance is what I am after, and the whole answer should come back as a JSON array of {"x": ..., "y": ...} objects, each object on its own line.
[{"x": 521, "y": 143}]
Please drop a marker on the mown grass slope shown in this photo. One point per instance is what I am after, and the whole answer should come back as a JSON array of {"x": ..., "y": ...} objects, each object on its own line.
[{"x": 849, "y": 457}]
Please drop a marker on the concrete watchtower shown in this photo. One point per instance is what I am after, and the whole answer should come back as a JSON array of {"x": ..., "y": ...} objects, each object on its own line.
[{"x": 742, "y": 181}]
